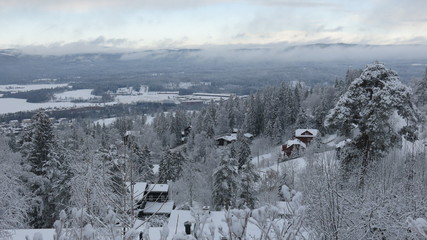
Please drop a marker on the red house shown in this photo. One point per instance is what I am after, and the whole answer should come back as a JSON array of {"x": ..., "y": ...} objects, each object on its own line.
[
  {"x": 293, "y": 147},
  {"x": 306, "y": 135}
]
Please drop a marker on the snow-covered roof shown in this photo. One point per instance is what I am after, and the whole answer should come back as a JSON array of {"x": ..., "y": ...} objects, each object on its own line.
[
  {"x": 158, "y": 207},
  {"x": 229, "y": 138},
  {"x": 138, "y": 189},
  {"x": 158, "y": 188},
  {"x": 132, "y": 133},
  {"x": 306, "y": 132},
  {"x": 248, "y": 135},
  {"x": 295, "y": 142}
]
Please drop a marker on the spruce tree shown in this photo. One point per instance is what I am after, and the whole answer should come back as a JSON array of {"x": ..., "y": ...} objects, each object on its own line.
[
  {"x": 248, "y": 181},
  {"x": 43, "y": 163},
  {"x": 225, "y": 184},
  {"x": 170, "y": 166},
  {"x": 144, "y": 165}
]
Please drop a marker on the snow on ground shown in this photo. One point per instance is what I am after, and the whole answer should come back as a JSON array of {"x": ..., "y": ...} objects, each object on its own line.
[
  {"x": 150, "y": 97},
  {"x": 26, "y": 88},
  {"x": 105, "y": 121},
  {"x": 178, "y": 217},
  {"x": 297, "y": 165},
  {"x": 12, "y": 105},
  {"x": 84, "y": 94},
  {"x": 20, "y": 234},
  {"x": 262, "y": 160},
  {"x": 267, "y": 159}
]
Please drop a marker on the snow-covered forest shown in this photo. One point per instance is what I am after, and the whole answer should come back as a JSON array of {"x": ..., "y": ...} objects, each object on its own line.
[{"x": 363, "y": 176}]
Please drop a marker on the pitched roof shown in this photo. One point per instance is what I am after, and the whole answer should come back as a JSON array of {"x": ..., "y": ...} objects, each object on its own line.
[
  {"x": 158, "y": 207},
  {"x": 295, "y": 142},
  {"x": 306, "y": 132}
]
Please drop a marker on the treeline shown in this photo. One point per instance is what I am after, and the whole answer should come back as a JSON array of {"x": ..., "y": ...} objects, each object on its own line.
[
  {"x": 106, "y": 111},
  {"x": 35, "y": 96}
]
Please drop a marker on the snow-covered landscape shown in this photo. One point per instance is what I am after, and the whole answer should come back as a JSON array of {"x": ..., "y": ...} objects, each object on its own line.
[{"x": 213, "y": 120}]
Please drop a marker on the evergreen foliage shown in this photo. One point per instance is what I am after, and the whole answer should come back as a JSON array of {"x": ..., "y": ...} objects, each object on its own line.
[
  {"x": 368, "y": 106},
  {"x": 170, "y": 168},
  {"x": 225, "y": 184}
]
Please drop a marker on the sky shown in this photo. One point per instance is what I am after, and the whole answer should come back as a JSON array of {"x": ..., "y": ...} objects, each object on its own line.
[{"x": 156, "y": 24}]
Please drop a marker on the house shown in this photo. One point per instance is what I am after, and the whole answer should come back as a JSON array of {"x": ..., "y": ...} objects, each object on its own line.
[
  {"x": 157, "y": 192},
  {"x": 306, "y": 135},
  {"x": 224, "y": 140},
  {"x": 151, "y": 198},
  {"x": 293, "y": 147}
]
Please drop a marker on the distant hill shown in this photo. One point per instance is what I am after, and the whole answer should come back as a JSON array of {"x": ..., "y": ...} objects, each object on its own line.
[{"x": 234, "y": 67}]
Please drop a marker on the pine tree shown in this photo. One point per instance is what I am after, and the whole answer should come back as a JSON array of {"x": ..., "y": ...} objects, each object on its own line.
[
  {"x": 225, "y": 184},
  {"x": 368, "y": 105}
]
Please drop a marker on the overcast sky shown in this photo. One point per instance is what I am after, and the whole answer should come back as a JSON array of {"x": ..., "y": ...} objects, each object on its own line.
[{"x": 189, "y": 23}]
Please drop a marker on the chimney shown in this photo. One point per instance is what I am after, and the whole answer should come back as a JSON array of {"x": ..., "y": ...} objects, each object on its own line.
[
  {"x": 206, "y": 209},
  {"x": 187, "y": 226}
]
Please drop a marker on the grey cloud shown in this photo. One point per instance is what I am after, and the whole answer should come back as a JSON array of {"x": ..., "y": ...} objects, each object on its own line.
[
  {"x": 97, "y": 45},
  {"x": 239, "y": 36},
  {"x": 297, "y": 3}
]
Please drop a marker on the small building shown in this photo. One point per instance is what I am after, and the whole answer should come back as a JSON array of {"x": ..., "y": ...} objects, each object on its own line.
[
  {"x": 157, "y": 192},
  {"x": 293, "y": 147},
  {"x": 151, "y": 198},
  {"x": 306, "y": 135},
  {"x": 226, "y": 139},
  {"x": 249, "y": 136}
]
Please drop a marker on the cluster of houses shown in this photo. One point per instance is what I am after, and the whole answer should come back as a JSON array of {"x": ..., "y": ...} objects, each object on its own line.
[
  {"x": 225, "y": 139},
  {"x": 302, "y": 138},
  {"x": 15, "y": 127}
]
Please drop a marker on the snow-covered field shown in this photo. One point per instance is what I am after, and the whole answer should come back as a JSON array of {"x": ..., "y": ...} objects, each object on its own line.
[
  {"x": 12, "y": 105},
  {"x": 25, "y": 88},
  {"x": 83, "y": 94}
]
